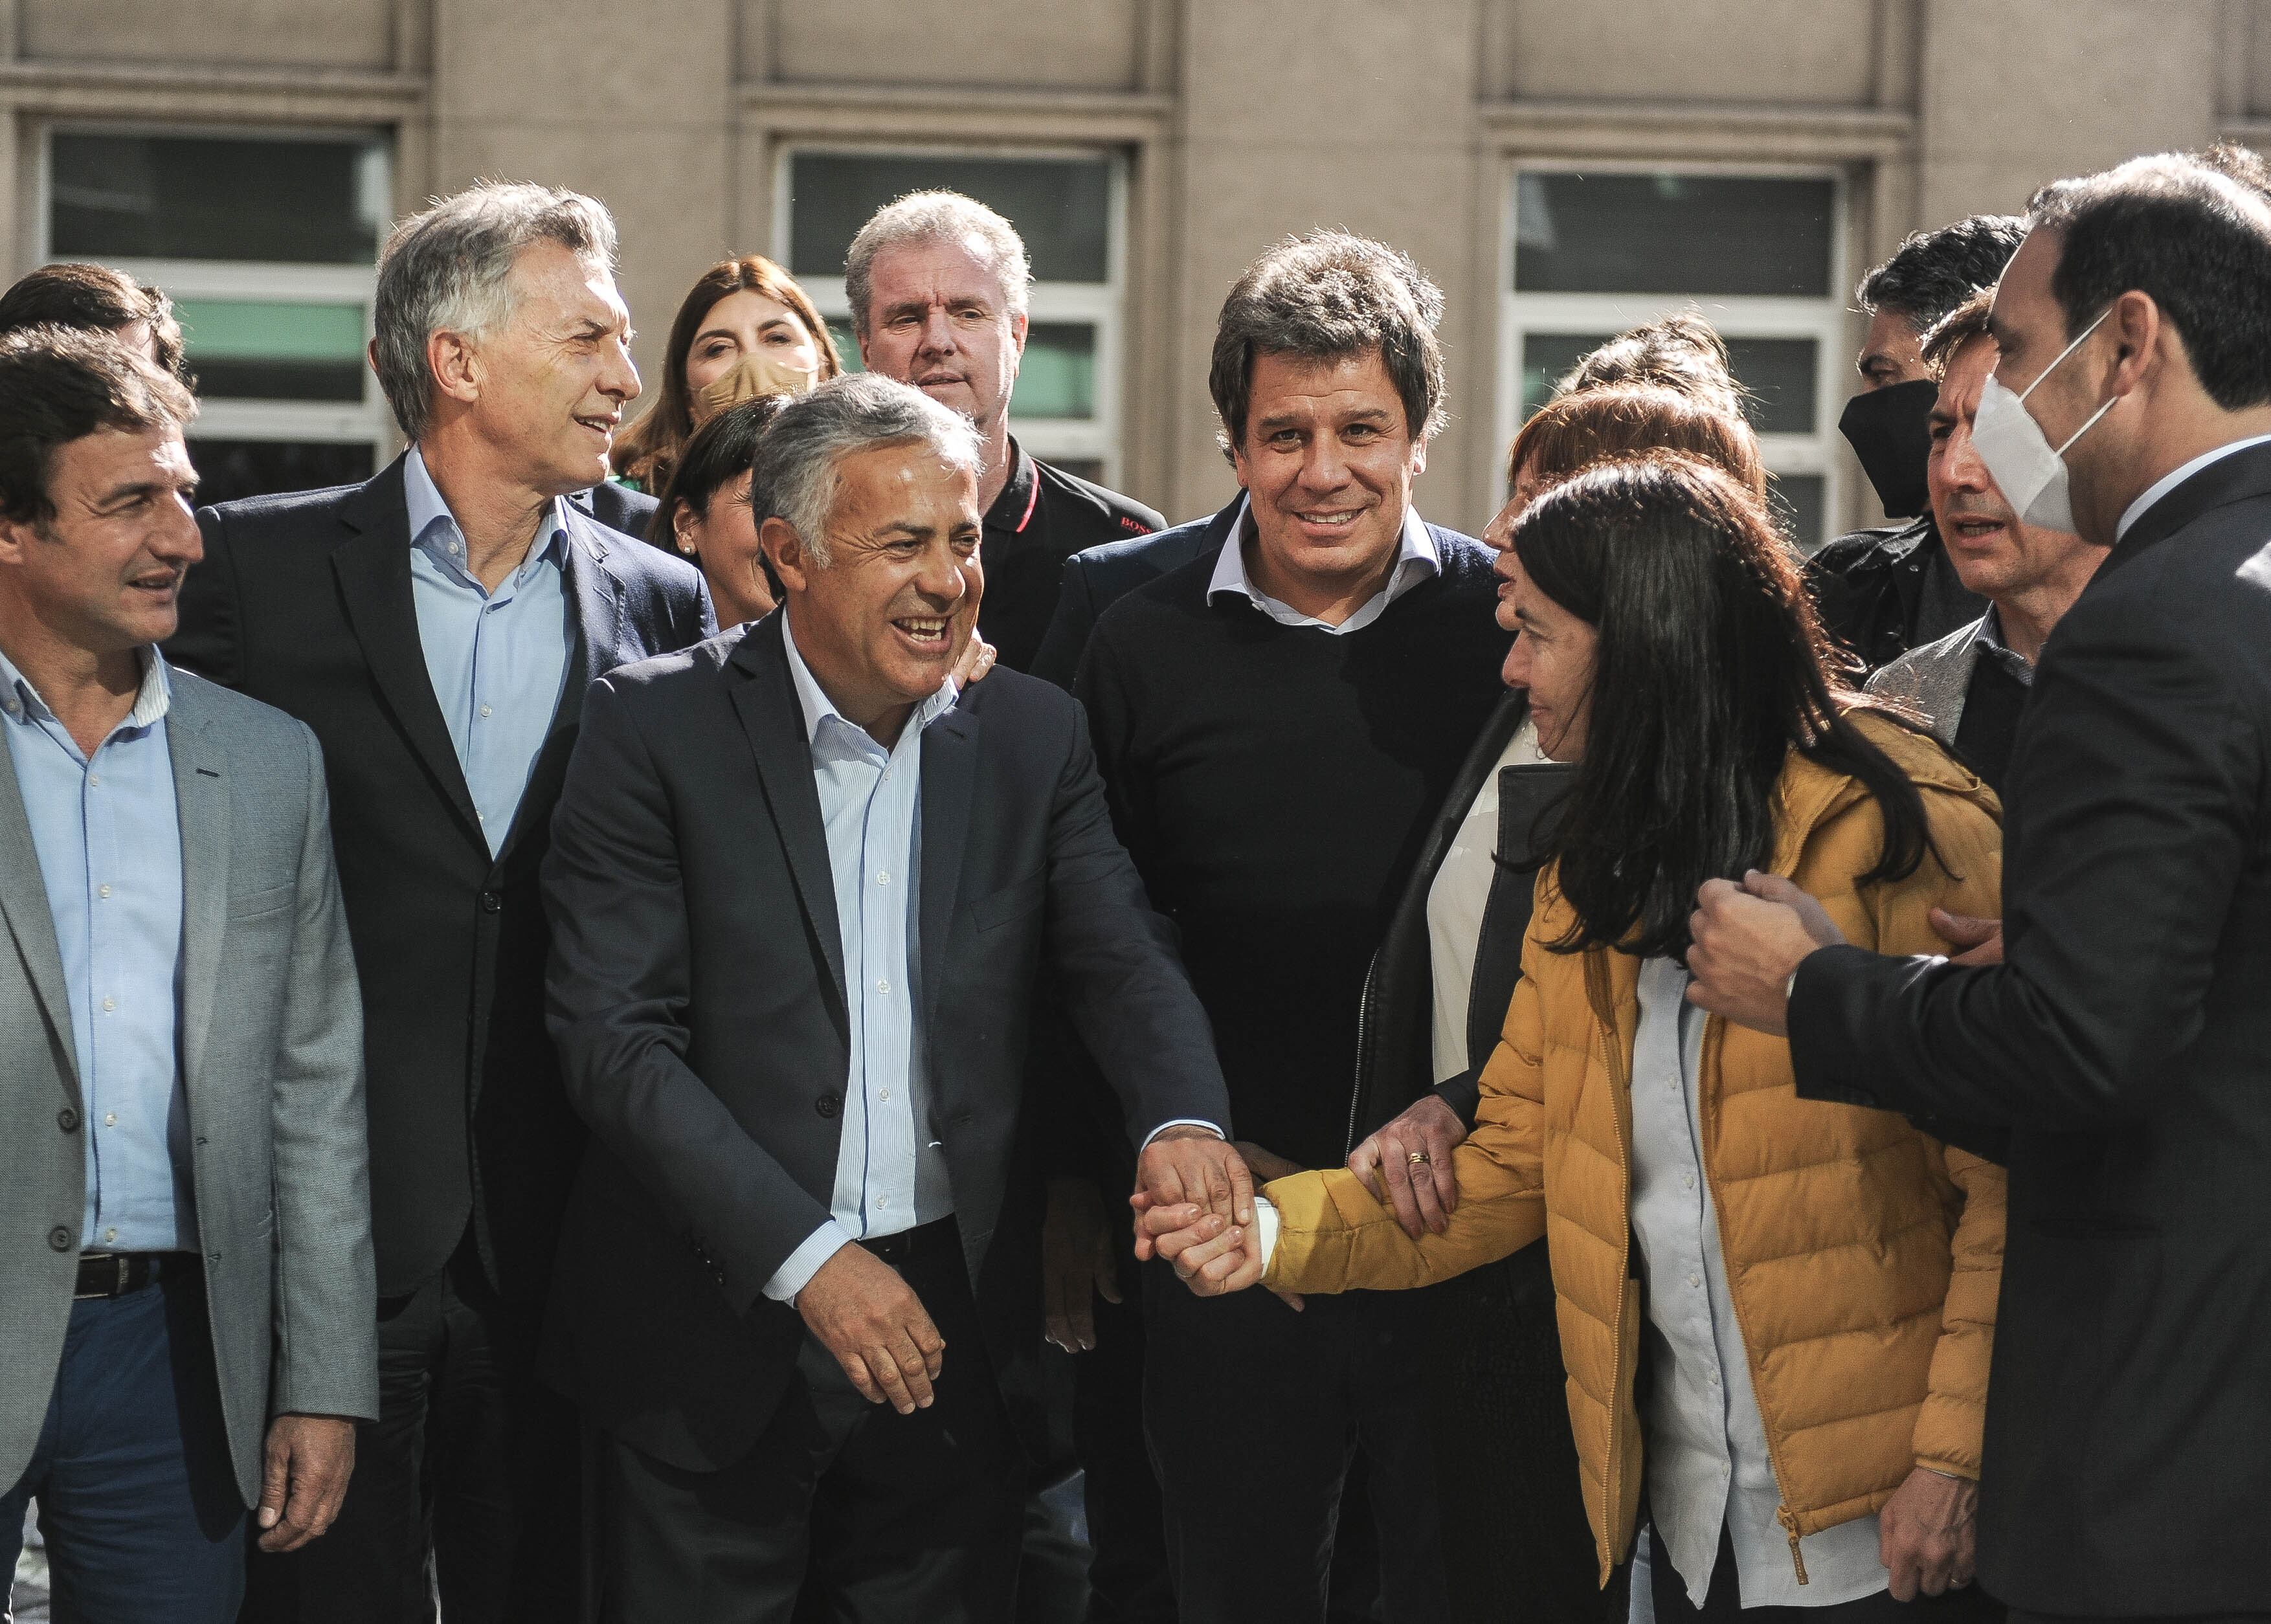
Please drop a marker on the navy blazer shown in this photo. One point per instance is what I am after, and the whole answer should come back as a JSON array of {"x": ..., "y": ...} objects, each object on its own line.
[
  {"x": 303, "y": 600},
  {"x": 697, "y": 996}
]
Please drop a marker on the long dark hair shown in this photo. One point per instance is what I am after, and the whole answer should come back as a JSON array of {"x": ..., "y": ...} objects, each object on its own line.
[
  {"x": 721, "y": 450},
  {"x": 1710, "y": 667}
]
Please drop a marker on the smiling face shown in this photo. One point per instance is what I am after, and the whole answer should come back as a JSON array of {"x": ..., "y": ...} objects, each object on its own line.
[
  {"x": 104, "y": 573},
  {"x": 1327, "y": 460},
  {"x": 883, "y": 621},
  {"x": 1551, "y": 658},
  {"x": 545, "y": 388},
  {"x": 743, "y": 323},
  {"x": 939, "y": 318},
  {"x": 1993, "y": 552}
]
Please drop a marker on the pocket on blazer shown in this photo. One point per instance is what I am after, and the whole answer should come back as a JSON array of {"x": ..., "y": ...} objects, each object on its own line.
[
  {"x": 252, "y": 905},
  {"x": 1011, "y": 901}
]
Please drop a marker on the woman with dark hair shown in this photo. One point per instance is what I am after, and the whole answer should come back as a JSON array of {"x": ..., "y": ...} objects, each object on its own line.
[
  {"x": 704, "y": 512},
  {"x": 1809, "y": 1288},
  {"x": 744, "y": 330}
]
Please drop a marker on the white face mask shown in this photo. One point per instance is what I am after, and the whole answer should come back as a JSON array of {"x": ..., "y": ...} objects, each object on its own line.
[{"x": 2031, "y": 474}]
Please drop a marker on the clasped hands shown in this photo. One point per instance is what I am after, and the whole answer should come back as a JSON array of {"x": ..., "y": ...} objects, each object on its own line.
[{"x": 874, "y": 1325}]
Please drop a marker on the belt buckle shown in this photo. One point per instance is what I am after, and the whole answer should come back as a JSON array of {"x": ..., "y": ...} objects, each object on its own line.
[{"x": 118, "y": 1281}]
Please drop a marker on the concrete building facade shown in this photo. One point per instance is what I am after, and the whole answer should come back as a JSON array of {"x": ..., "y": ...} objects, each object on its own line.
[{"x": 1560, "y": 168}]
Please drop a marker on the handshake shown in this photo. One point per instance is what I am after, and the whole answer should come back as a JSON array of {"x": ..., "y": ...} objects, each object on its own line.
[{"x": 1215, "y": 1249}]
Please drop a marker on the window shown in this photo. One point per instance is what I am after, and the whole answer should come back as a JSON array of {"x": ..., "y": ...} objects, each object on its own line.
[
  {"x": 1595, "y": 251},
  {"x": 1070, "y": 211},
  {"x": 268, "y": 245}
]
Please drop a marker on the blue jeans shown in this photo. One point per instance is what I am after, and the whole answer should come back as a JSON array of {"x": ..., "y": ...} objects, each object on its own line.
[{"x": 138, "y": 1500}]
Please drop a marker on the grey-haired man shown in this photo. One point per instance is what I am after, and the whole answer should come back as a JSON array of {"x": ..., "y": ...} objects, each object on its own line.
[
  {"x": 437, "y": 627},
  {"x": 802, "y": 890}
]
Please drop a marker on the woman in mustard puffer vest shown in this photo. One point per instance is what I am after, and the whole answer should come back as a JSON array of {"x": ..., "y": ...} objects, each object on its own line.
[{"x": 1776, "y": 1315}]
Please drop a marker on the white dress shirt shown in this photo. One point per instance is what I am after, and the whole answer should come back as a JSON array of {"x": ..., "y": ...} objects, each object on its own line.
[
  {"x": 1456, "y": 902},
  {"x": 1416, "y": 560}
]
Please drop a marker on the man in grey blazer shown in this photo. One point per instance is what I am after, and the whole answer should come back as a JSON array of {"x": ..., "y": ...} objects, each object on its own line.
[
  {"x": 186, "y": 1282},
  {"x": 1971, "y": 684}
]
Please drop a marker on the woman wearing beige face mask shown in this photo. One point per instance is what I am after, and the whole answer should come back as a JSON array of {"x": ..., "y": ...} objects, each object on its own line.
[{"x": 745, "y": 330}]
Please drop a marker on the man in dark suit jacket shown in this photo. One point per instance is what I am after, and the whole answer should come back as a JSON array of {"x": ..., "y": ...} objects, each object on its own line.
[
  {"x": 2122, "y": 1032},
  {"x": 437, "y": 627},
  {"x": 802, "y": 892}
]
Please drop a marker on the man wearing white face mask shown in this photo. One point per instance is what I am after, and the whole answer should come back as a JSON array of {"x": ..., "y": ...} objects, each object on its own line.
[{"x": 2126, "y": 1039}]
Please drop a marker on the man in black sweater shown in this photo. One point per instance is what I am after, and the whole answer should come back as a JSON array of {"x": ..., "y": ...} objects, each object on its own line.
[{"x": 1278, "y": 721}]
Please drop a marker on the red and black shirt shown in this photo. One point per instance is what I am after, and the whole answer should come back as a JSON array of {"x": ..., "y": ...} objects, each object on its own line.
[{"x": 1042, "y": 518}]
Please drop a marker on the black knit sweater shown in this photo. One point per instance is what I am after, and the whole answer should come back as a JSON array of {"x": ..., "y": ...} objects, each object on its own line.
[{"x": 1274, "y": 784}]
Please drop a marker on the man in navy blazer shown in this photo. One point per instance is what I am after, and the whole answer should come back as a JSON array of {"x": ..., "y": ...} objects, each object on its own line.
[{"x": 437, "y": 627}]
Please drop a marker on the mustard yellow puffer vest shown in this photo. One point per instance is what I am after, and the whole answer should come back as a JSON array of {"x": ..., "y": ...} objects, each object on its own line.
[{"x": 1863, "y": 1258}]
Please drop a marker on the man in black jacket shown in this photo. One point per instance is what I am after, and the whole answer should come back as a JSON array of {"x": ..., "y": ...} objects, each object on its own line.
[
  {"x": 2125, "y": 1038},
  {"x": 802, "y": 890},
  {"x": 437, "y": 627},
  {"x": 1883, "y": 591}
]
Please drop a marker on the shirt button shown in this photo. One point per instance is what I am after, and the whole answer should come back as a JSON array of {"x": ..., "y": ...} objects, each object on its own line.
[
  {"x": 110, "y": 1119},
  {"x": 883, "y": 1203},
  {"x": 881, "y": 878},
  {"x": 485, "y": 709},
  {"x": 1694, "y": 1279},
  {"x": 886, "y": 1096},
  {"x": 111, "y": 1235},
  {"x": 883, "y": 987},
  {"x": 103, "y": 892},
  {"x": 94, "y": 780},
  {"x": 108, "y": 1004},
  {"x": 1687, "y": 1180}
]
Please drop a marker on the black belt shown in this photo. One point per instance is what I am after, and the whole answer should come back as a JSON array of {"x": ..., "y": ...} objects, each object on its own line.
[
  {"x": 940, "y": 1235},
  {"x": 115, "y": 1274}
]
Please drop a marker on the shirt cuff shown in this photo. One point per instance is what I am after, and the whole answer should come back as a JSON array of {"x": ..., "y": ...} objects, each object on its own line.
[
  {"x": 795, "y": 1275},
  {"x": 1265, "y": 1228},
  {"x": 1180, "y": 1121}
]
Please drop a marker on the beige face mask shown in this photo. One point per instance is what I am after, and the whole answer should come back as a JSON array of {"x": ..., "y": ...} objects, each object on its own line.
[{"x": 767, "y": 372}]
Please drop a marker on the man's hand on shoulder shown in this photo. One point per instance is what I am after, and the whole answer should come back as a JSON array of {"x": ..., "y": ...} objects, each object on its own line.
[
  {"x": 303, "y": 1478},
  {"x": 871, "y": 1320}
]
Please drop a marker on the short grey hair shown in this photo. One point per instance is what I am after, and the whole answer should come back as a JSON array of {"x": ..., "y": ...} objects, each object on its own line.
[
  {"x": 796, "y": 473},
  {"x": 446, "y": 269},
  {"x": 1321, "y": 297},
  {"x": 936, "y": 217}
]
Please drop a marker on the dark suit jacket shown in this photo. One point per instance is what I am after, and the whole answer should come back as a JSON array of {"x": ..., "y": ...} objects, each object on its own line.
[
  {"x": 2127, "y": 1042},
  {"x": 1096, "y": 579},
  {"x": 618, "y": 507},
  {"x": 303, "y": 600},
  {"x": 697, "y": 995}
]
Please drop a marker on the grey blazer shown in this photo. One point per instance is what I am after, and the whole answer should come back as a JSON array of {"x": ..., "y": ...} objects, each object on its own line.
[
  {"x": 272, "y": 1057},
  {"x": 1934, "y": 678}
]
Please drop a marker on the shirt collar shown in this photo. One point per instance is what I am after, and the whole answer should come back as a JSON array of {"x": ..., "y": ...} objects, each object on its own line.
[
  {"x": 1989, "y": 635},
  {"x": 1013, "y": 509},
  {"x": 2169, "y": 481},
  {"x": 819, "y": 708},
  {"x": 20, "y": 701},
  {"x": 426, "y": 510},
  {"x": 1417, "y": 559}
]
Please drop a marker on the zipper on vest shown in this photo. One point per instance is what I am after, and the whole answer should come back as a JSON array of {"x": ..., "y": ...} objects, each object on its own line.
[
  {"x": 1790, "y": 1526},
  {"x": 1620, "y": 1071},
  {"x": 1363, "y": 1025}
]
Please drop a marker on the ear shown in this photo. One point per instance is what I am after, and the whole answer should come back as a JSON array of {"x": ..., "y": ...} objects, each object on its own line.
[
  {"x": 16, "y": 540},
  {"x": 1418, "y": 462},
  {"x": 784, "y": 550},
  {"x": 686, "y": 528},
  {"x": 1019, "y": 326},
  {"x": 455, "y": 365},
  {"x": 2140, "y": 331}
]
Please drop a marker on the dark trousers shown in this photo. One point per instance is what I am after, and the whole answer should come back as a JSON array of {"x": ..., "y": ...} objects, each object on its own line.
[
  {"x": 1255, "y": 1414},
  {"x": 1128, "y": 1574},
  {"x": 138, "y": 1501},
  {"x": 1722, "y": 1603},
  {"x": 895, "y": 1518},
  {"x": 466, "y": 1486}
]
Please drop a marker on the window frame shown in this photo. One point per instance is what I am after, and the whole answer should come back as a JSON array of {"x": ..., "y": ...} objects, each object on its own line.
[
  {"x": 1101, "y": 305},
  {"x": 368, "y": 422},
  {"x": 1826, "y": 319}
]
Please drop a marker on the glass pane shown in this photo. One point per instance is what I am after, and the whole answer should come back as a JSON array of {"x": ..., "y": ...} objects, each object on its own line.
[
  {"x": 846, "y": 346},
  {"x": 1058, "y": 375},
  {"x": 1800, "y": 506},
  {"x": 229, "y": 469},
  {"x": 273, "y": 350},
  {"x": 1780, "y": 377},
  {"x": 1060, "y": 206},
  {"x": 1705, "y": 234},
  {"x": 168, "y": 196}
]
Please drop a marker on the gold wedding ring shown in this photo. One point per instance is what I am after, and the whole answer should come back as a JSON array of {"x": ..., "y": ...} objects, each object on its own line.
[{"x": 1418, "y": 1158}]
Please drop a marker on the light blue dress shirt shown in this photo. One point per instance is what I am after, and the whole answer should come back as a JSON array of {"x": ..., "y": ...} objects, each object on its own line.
[
  {"x": 890, "y": 1174},
  {"x": 1707, "y": 1460},
  {"x": 498, "y": 661},
  {"x": 108, "y": 834},
  {"x": 1416, "y": 560}
]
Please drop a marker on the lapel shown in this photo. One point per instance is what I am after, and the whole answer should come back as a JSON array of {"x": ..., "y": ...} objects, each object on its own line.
[
  {"x": 373, "y": 565},
  {"x": 597, "y": 595},
  {"x": 950, "y": 773},
  {"x": 1481, "y": 761},
  {"x": 26, "y": 913},
  {"x": 2229, "y": 479},
  {"x": 201, "y": 804},
  {"x": 764, "y": 698}
]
